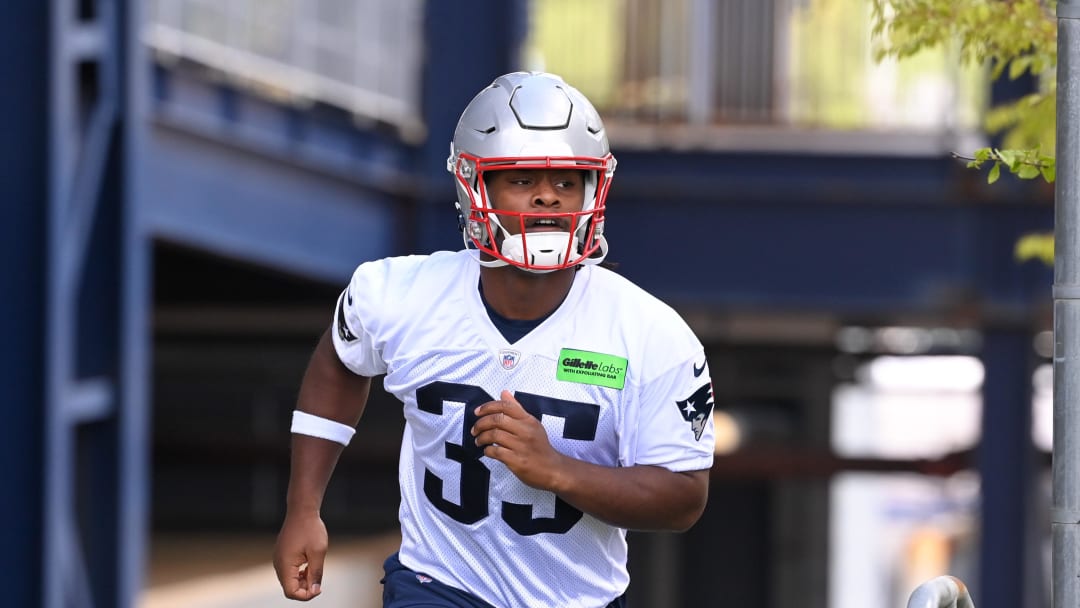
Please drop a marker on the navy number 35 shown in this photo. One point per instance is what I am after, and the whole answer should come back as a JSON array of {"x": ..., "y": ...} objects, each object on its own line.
[{"x": 580, "y": 423}]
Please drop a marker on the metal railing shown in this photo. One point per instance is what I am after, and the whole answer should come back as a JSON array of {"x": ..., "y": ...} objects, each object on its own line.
[
  {"x": 345, "y": 53},
  {"x": 790, "y": 63},
  {"x": 941, "y": 592}
]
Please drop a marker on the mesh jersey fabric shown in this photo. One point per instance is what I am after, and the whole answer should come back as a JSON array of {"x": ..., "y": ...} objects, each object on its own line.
[{"x": 466, "y": 520}]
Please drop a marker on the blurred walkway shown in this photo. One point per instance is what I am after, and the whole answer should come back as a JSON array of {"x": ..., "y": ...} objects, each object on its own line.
[{"x": 208, "y": 571}]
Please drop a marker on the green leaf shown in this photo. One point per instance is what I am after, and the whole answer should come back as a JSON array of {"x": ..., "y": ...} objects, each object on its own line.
[
  {"x": 999, "y": 67},
  {"x": 982, "y": 154},
  {"x": 1009, "y": 157},
  {"x": 1037, "y": 246},
  {"x": 1018, "y": 65},
  {"x": 1028, "y": 172},
  {"x": 1048, "y": 173},
  {"x": 995, "y": 173}
]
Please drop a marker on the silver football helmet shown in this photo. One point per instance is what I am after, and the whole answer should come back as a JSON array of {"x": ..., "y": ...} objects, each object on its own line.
[{"x": 531, "y": 120}]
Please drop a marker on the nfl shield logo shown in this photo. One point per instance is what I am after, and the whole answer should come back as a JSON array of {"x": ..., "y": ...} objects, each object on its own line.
[{"x": 509, "y": 358}]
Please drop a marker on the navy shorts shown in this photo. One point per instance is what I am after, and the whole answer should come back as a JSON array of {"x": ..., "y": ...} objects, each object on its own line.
[{"x": 404, "y": 588}]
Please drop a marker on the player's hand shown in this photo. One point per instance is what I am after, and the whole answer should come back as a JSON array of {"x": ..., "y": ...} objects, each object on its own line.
[
  {"x": 515, "y": 438},
  {"x": 299, "y": 555}
]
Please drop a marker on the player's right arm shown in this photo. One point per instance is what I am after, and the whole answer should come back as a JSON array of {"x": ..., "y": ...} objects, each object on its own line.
[{"x": 332, "y": 391}]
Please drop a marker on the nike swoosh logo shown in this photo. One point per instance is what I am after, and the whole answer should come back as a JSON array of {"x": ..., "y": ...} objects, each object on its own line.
[{"x": 699, "y": 370}]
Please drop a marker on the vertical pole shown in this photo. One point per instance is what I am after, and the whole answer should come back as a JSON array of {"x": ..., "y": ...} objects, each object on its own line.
[
  {"x": 1065, "y": 505},
  {"x": 702, "y": 62}
]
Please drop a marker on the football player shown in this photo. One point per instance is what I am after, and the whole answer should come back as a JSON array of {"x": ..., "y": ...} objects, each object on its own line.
[{"x": 550, "y": 404}]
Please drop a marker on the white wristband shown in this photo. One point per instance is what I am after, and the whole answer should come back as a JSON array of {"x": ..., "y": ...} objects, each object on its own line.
[{"x": 304, "y": 423}]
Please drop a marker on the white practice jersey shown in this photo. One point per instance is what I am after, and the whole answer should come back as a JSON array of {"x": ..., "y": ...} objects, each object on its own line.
[{"x": 615, "y": 376}]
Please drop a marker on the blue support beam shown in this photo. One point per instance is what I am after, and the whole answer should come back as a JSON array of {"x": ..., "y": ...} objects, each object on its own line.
[
  {"x": 24, "y": 45},
  {"x": 280, "y": 216},
  {"x": 93, "y": 482},
  {"x": 857, "y": 237},
  {"x": 477, "y": 41},
  {"x": 1006, "y": 464}
]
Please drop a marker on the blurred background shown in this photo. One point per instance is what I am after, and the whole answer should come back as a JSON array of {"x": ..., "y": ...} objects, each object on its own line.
[{"x": 188, "y": 185}]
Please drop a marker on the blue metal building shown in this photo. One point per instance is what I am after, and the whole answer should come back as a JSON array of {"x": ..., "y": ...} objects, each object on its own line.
[{"x": 173, "y": 238}]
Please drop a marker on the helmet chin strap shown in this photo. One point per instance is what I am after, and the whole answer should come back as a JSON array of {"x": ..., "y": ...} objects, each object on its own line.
[
  {"x": 555, "y": 242},
  {"x": 545, "y": 249}
]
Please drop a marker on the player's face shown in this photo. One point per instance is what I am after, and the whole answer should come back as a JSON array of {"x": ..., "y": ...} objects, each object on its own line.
[{"x": 537, "y": 191}]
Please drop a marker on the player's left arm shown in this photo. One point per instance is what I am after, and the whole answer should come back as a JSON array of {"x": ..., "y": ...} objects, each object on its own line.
[{"x": 640, "y": 497}]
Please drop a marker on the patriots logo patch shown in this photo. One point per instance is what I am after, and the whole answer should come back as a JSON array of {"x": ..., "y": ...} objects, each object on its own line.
[
  {"x": 697, "y": 408},
  {"x": 343, "y": 330}
]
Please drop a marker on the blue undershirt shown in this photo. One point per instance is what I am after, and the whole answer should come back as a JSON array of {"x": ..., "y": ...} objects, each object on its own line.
[{"x": 511, "y": 329}]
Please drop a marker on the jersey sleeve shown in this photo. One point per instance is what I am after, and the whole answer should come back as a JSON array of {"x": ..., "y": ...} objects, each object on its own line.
[
  {"x": 357, "y": 318},
  {"x": 675, "y": 423}
]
